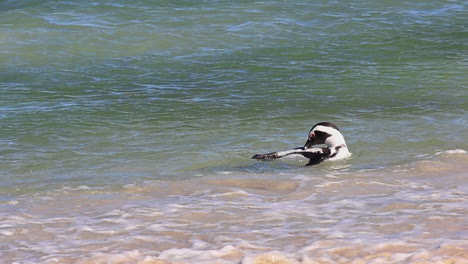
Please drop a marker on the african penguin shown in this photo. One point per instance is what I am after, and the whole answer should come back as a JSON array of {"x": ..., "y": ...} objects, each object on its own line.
[{"x": 322, "y": 133}]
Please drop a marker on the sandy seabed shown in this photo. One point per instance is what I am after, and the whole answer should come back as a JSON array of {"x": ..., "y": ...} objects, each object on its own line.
[{"x": 415, "y": 214}]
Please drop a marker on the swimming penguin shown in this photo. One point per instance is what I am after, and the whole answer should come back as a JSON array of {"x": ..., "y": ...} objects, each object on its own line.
[{"x": 322, "y": 133}]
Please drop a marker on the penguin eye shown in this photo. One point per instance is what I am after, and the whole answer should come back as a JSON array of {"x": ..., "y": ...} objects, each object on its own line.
[{"x": 311, "y": 135}]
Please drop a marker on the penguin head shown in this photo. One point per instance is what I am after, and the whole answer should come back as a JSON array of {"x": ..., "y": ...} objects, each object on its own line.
[{"x": 324, "y": 133}]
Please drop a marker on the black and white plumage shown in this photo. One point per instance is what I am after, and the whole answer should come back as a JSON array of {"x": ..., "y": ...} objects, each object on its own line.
[{"x": 322, "y": 133}]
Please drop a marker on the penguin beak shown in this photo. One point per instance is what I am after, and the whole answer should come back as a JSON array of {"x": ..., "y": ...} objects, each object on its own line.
[{"x": 310, "y": 141}]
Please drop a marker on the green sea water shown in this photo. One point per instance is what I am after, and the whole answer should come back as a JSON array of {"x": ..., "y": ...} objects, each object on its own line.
[{"x": 106, "y": 94}]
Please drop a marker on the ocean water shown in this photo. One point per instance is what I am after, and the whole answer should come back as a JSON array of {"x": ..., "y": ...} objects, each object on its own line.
[{"x": 127, "y": 130}]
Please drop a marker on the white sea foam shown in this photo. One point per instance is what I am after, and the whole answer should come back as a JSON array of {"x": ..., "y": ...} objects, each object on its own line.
[{"x": 451, "y": 152}]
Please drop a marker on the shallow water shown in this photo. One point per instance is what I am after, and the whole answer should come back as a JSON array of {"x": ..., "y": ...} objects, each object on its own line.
[
  {"x": 127, "y": 130},
  {"x": 414, "y": 213}
]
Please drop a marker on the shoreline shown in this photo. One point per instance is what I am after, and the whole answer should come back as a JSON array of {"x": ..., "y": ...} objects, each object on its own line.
[
  {"x": 407, "y": 214},
  {"x": 319, "y": 252}
]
